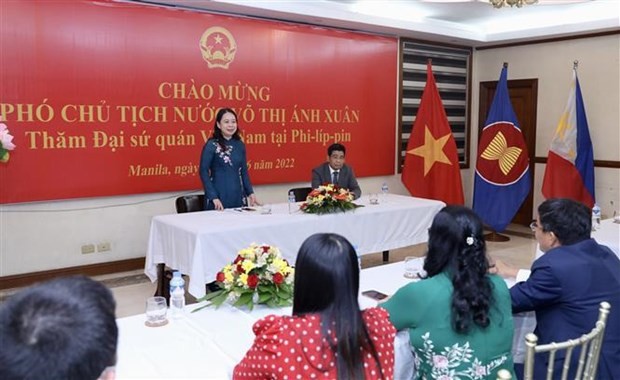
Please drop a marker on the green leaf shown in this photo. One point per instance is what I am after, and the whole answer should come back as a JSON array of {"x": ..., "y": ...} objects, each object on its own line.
[{"x": 244, "y": 299}]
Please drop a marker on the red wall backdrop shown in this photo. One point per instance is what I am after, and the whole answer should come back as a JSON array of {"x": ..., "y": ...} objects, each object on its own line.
[{"x": 107, "y": 98}]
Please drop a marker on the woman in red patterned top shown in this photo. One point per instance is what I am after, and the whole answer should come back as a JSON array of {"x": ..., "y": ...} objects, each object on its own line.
[{"x": 328, "y": 337}]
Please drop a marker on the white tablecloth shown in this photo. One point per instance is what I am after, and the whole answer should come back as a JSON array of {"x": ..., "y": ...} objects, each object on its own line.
[
  {"x": 199, "y": 244},
  {"x": 209, "y": 343}
]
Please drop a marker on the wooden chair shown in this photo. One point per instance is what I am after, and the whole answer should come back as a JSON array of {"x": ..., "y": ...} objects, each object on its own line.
[
  {"x": 301, "y": 193},
  {"x": 590, "y": 345},
  {"x": 190, "y": 203}
]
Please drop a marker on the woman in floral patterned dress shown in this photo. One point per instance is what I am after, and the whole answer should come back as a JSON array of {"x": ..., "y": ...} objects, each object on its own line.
[
  {"x": 223, "y": 165},
  {"x": 459, "y": 317}
]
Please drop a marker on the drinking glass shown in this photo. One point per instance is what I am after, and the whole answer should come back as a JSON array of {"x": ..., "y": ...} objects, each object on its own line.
[
  {"x": 265, "y": 209},
  {"x": 156, "y": 309},
  {"x": 373, "y": 198},
  {"x": 411, "y": 267}
]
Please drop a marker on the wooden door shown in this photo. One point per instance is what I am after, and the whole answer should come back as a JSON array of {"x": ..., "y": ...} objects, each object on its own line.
[{"x": 524, "y": 96}]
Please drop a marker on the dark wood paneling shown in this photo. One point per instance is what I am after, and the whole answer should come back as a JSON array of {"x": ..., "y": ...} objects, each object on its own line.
[{"x": 26, "y": 279}]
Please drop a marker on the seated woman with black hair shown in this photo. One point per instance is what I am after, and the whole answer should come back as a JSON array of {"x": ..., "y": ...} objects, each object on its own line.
[
  {"x": 459, "y": 317},
  {"x": 327, "y": 337}
]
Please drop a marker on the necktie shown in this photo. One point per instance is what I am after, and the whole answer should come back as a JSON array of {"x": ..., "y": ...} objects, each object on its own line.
[{"x": 335, "y": 181}]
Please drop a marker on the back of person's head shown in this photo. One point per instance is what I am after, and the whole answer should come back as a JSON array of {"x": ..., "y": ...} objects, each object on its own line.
[
  {"x": 61, "y": 329},
  {"x": 569, "y": 220},
  {"x": 327, "y": 283},
  {"x": 456, "y": 246},
  {"x": 336, "y": 147}
]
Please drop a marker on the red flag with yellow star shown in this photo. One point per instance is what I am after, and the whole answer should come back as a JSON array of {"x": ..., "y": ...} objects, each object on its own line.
[{"x": 431, "y": 168}]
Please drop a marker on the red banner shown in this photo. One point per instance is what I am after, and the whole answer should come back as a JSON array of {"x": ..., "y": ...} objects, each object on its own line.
[{"x": 107, "y": 98}]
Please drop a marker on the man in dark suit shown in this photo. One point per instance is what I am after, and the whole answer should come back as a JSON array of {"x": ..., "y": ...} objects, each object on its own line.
[
  {"x": 567, "y": 284},
  {"x": 336, "y": 171}
]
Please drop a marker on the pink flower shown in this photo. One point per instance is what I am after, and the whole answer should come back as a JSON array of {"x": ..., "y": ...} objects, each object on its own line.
[
  {"x": 440, "y": 361},
  {"x": 480, "y": 370},
  {"x": 5, "y": 138}
]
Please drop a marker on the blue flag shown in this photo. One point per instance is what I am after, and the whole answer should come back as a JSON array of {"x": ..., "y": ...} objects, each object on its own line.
[{"x": 502, "y": 171}]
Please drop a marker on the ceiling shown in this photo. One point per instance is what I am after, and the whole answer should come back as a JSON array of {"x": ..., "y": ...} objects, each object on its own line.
[{"x": 462, "y": 22}]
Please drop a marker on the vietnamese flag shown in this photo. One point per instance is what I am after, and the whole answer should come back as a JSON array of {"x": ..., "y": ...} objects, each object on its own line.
[
  {"x": 570, "y": 163},
  {"x": 431, "y": 168}
]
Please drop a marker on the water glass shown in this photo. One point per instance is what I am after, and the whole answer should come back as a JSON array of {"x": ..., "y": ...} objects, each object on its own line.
[
  {"x": 156, "y": 309},
  {"x": 265, "y": 209},
  {"x": 373, "y": 198},
  {"x": 411, "y": 267}
]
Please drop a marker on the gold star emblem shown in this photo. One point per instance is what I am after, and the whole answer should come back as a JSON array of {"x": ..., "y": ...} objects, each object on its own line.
[
  {"x": 432, "y": 150},
  {"x": 218, "y": 39}
]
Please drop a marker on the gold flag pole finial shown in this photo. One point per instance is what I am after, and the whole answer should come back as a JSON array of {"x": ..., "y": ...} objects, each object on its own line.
[
  {"x": 575, "y": 64},
  {"x": 505, "y": 65}
]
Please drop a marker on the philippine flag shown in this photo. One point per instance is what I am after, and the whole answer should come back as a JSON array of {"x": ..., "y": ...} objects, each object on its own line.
[{"x": 570, "y": 163}]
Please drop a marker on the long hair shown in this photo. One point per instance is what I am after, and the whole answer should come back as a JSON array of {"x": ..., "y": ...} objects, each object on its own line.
[
  {"x": 327, "y": 283},
  {"x": 217, "y": 133},
  {"x": 456, "y": 246}
]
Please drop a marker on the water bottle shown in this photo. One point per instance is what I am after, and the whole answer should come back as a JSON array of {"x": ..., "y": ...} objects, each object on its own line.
[
  {"x": 596, "y": 217},
  {"x": 177, "y": 295},
  {"x": 292, "y": 205},
  {"x": 384, "y": 191}
]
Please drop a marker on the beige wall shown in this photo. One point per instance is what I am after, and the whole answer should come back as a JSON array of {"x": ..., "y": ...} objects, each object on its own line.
[
  {"x": 552, "y": 63},
  {"x": 48, "y": 235}
]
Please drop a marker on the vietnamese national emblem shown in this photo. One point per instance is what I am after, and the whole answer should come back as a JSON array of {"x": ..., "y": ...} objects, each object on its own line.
[{"x": 218, "y": 47}]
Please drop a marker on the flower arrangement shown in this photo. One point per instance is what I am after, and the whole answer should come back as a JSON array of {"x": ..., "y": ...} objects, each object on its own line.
[
  {"x": 6, "y": 143},
  {"x": 327, "y": 199},
  {"x": 258, "y": 275}
]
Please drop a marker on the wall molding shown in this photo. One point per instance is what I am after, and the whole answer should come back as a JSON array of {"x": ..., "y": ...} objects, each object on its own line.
[
  {"x": 597, "y": 163},
  {"x": 547, "y": 40},
  {"x": 26, "y": 279}
]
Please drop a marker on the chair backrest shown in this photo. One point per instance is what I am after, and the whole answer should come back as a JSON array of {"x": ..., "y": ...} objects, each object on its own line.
[
  {"x": 301, "y": 193},
  {"x": 190, "y": 203},
  {"x": 589, "y": 343}
]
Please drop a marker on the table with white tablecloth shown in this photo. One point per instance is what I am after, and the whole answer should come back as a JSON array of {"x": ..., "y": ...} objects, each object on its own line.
[
  {"x": 199, "y": 244},
  {"x": 209, "y": 343}
]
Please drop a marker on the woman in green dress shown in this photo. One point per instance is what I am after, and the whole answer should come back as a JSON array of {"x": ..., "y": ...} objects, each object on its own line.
[
  {"x": 459, "y": 316},
  {"x": 224, "y": 167}
]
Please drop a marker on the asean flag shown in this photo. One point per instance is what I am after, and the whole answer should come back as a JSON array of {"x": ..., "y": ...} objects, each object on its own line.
[
  {"x": 431, "y": 168},
  {"x": 502, "y": 180},
  {"x": 570, "y": 163}
]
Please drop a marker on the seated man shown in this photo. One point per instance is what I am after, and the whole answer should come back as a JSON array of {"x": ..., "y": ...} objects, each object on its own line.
[
  {"x": 567, "y": 284},
  {"x": 62, "y": 329},
  {"x": 336, "y": 171}
]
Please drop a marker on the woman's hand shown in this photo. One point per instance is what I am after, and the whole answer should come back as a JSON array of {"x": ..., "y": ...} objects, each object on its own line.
[
  {"x": 218, "y": 204},
  {"x": 253, "y": 200}
]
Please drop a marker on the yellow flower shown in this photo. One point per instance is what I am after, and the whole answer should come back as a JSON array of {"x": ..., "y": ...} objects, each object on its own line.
[
  {"x": 247, "y": 253},
  {"x": 228, "y": 277},
  {"x": 280, "y": 265},
  {"x": 243, "y": 279},
  {"x": 248, "y": 265}
]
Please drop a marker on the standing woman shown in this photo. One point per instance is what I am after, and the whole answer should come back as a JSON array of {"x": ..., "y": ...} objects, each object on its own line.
[
  {"x": 459, "y": 317},
  {"x": 328, "y": 336},
  {"x": 223, "y": 165}
]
